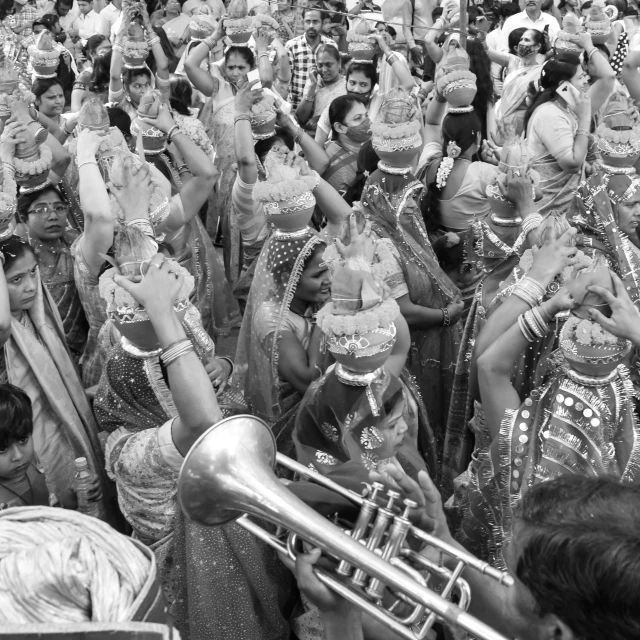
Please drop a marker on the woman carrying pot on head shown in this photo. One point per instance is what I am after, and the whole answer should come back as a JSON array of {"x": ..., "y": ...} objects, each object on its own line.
[
  {"x": 220, "y": 85},
  {"x": 128, "y": 85}
]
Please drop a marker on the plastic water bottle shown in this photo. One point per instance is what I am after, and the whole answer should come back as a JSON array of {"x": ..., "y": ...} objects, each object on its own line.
[{"x": 84, "y": 483}]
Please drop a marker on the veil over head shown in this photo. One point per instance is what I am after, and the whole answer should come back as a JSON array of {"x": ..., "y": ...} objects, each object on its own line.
[{"x": 277, "y": 274}]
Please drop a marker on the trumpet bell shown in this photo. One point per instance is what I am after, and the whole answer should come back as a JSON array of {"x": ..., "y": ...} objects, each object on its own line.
[{"x": 216, "y": 467}]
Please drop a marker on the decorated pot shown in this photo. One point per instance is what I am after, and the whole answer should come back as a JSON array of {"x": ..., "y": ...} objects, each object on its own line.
[
  {"x": 136, "y": 52},
  {"x": 238, "y": 30},
  {"x": 363, "y": 353},
  {"x": 399, "y": 152},
  {"x": 135, "y": 326},
  {"x": 291, "y": 215},
  {"x": 154, "y": 140},
  {"x": 263, "y": 125},
  {"x": 458, "y": 87}
]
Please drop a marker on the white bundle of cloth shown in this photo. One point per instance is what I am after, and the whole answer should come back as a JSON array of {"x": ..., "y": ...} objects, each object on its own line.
[{"x": 63, "y": 567}]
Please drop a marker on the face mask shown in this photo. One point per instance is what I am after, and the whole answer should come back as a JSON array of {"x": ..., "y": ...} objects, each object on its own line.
[
  {"x": 363, "y": 97},
  {"x": 525, "y": 49},
  {"x": 360, "y": 133}
]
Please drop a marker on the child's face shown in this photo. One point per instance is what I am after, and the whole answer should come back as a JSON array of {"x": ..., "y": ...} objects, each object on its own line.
[
  {"x": 15, "y": 458},
  {"x": 393, "y": 429}
]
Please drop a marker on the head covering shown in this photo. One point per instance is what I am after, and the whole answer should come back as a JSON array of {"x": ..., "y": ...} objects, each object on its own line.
[{"x": 277, "y": 274}]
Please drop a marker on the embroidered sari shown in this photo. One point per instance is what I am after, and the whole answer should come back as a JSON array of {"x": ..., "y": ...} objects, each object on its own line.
[
  {"x": 266, "y": 316},
  {"x": 433, "y": 352},
  {"x": 220, "y": 582},
  {"x": 36, "y": 360}
]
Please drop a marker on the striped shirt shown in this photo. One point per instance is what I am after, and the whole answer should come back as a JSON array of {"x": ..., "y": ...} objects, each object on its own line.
[{"x": 301, "y": 58}]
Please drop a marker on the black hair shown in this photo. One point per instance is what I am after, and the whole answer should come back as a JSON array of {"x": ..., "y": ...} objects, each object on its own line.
[
  {"x": 586, "y": 5},
  {"x": 369, "y": 70},
  {"x": 129, "y": 74},
  {"x": 602, "y": 48},
  {"x": 367, "y": 164},
  {"x": 555, "y": 71},
  {"x": 181, "y": 94},
  {"x": 99, "y": 81},
  {"x": 513, "y": 39},
  {"x": 620, "y": 5},
  {"x": 329, "y": 48},
  {"x": 167, "y": 48},
  {"x": 93, "y": 43},
  {"x": 16, "y": 415},
  {"x": 42, "y": 85},
  {"x": 25, "y": 200},
  {"x": 580, "y": 554},
  {"x": 262, "y": 147},
  {"x": 49, "y": 20},
  {"x": 339, "y": 109},
  {"x": 120, "y": 118},
  {"x": 436, "y": 13},
  {"x": 67, "y": 3},
  {"x": 13, "y": 248},
  {"x": 244, "y": 52},
  {"x": 313, "y": 7},
  {"x": 6, "y": 8},
  {"x": 480, "y": 65}
]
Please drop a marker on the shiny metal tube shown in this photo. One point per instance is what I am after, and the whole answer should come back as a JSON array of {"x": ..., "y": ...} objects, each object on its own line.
[{"x": 229, "y": 471}]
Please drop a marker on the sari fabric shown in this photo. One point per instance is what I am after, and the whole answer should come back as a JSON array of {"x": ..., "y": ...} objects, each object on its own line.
[
  {"x": 220, "y": 582},
  {"x": 433, "y": 352},
  {"x": 37, "y": 361},
  {"x": 572, "y": 425},
  {"x": 266, "y": 316},
  {"x": 56, "y": 270}
]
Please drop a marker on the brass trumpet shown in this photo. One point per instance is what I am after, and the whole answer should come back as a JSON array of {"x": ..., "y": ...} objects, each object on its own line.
[{"x": 229, "y": 472}]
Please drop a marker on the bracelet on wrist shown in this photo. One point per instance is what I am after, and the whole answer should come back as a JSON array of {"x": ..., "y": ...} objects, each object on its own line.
[
  {"x": 175, "y": 351},
  {"x": 446, "y": 318},
  {"x": 242, "y": 116},
  {"x": 210, "y": 41},
  {"x": 531, "y": 222},
  {"x": 81, "y": 164},
  {"x": 529, "y": 291},
  {"x": 230, "y": 361},
  {"x": 298, "y": 136},
  {"x": 172, "y": 133}
]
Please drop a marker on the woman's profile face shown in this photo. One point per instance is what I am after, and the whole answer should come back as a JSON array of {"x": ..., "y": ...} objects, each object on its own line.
[
  {"x": 580, "y": 79},
  {"x": 357, "y": 115},
  {"x": 314, "y": 285},
  {"x": 528, "y": 39},
  {"x": 392, "y": 430}
]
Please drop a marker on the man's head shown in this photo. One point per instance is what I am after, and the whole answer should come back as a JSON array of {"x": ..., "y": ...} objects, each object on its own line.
[
  {"x": 62, "y": 7},
  {"x": 84, "y": 6},
  {"x": 312, "y": 22},
  {"x": 533, "y": 5},
  {"x": 16, "y": 429},
  {"x": 575, "y": 555}
]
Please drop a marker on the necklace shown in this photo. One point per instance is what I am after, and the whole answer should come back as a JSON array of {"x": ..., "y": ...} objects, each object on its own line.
[{"x": 506, "y": 222}]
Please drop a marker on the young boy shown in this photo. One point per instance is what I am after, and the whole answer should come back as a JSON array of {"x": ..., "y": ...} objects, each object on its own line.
[{"x": 21, "y": 482}]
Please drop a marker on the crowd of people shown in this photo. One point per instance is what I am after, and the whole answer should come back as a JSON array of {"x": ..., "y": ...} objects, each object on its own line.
[{"x": 417, "y": 228}]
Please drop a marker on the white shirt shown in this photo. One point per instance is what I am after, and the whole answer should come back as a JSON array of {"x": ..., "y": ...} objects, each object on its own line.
[
  {"x": 523, "y": 20},
  {"x": 108, "y": 17},
  {"x": 87, "y": 25}
]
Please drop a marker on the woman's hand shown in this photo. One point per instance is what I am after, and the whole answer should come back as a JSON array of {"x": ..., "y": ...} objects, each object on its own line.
[
  {"x": 554, "y": 255},
  {"x": 625, "y": 317},
  {"x": 158, "y": 289},
  {"x": 380, "y": 40},
  {"x": 361, "y": 245},
  {"x": 585, "y": 41},
  {"x": 218, "y": 32},
  {"x": 455, "y": 310},
  {"x": 518, "y": 190},
  {"x": 88, "y": 144},
  {"x": 562, "y": 300},
  {"x": 247, "y": 96},
  {"x": 314, "y": 81},
  {"x": 278, "y": 46},
  {"x": 164, "y": 121},
  {"x": 146, "y": 21},
  {"x": 135, "y": 194},
  {"x": 218, "y": 371},
  {"x": 12, "y": 135},
  {"x": 261, "y": 37},
  {"x": 127, "y": 19}
]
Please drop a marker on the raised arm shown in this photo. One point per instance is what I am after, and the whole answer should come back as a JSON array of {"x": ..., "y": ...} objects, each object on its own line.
[
  {"x": 195, "y": 192},
  {"x": 265, "y": 70},
  {"x": 305, "y": 108},
  {"x": 243, "y": 139},
  {"x": 162, "y": 64},
  {"x": 201, "y": 79},
  {"x": 605, "y": 76},
  {"x": 189, "y": 383},
  {"x": 433, "y": 50},
  {"x": 314, "y": 153},
  {"x": 399, "y": 66},
  {"x": 99, "y": 222},
  {"x": 115, "y": 71}
]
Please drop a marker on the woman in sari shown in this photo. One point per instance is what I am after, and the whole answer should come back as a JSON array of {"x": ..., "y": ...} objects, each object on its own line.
[
  {"x": 521, "y": 69},
  {"x": 44, "y": 215},
  {"x": 558, "y": 129},
  {"x": 220, "y": 84},
  {"x": 221, "y": 582},
  {"x": 581, "y": 420}
]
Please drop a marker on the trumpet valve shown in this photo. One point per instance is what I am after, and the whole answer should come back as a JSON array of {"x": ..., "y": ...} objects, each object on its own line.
[
  {"x": 397, "y": 536},
  {"x": 374, "y": 541},
  {"x": 367, "y": 512}
]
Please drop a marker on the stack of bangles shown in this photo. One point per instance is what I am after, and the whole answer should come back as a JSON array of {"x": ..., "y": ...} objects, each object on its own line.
[
  {"x": 175, "y": 130},
  {"x": 155, "y": 39},
  {"x": 533, "y": 325},
  {"x": 65, "y": 129},
  {"x": 119, "y": 48},
  {"x": 530, "y": 291},
  {"x": 446, "y": 318},
  {"x": 242, "y": 116},
  {"x": 391, "y": 57},
  {"x": 175, "y": 351},
  {"x": 210, "y": 41},
  {"x": 531, "y": 222}
]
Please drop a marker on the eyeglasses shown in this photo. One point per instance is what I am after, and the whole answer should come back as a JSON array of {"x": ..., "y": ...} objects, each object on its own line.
[{"x": 46, "y": 209}]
